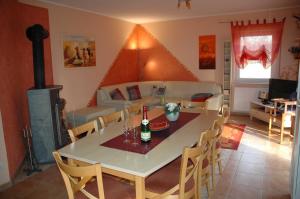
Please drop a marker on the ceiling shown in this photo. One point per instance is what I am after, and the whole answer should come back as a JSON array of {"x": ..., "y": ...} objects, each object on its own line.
[{"x": 145, "y": 11}]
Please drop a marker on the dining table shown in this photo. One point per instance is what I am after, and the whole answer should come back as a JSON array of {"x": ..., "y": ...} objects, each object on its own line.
[{"x": 135, "y": 166}]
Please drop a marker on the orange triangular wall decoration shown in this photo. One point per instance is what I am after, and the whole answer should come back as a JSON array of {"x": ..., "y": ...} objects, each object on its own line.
[{"x": 143, "y": 58}]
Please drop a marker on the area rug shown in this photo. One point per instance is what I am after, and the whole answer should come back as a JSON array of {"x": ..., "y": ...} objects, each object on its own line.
[{"x": 232, "y": 135}]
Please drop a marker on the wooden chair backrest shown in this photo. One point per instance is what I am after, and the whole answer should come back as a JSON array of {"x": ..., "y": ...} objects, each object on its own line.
[
  {"x": 217, "y": 127},
  {"x": 88, "y": 128},
  {"x": 110, "y": 118},
  {"x": 226, "y": 114},
  {"x": 195, "y": 154},
  {"x": 134, "y": 109},
  {"x": 75, "y": 178}
]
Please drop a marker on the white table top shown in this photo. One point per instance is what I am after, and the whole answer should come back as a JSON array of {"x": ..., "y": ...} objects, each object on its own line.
[{"x": 88, "y": 149}]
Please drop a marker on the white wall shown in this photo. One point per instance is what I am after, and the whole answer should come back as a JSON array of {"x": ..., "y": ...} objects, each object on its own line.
[
  {"x": 181, "y": 39},
  {"x": 243, "y": 96},
  {"x": 79, "y": 84},
  {"x": 4, "y": 173}
]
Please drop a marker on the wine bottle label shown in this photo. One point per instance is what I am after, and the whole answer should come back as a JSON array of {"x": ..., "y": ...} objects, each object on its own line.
[
  {"x": 146, "y": 136},
  {"x": 145, "y": 131},
  {"x": 145, "y": 127}
]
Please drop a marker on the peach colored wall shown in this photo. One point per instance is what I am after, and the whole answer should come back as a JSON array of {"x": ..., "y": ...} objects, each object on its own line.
[
  {"x": 180, "y": 37},
  {"x": 17, "y": 73},
  {"x": 157, "y": 63},
  {"x": 143, "y": 58},
  {"x": 79, "y": 84}
]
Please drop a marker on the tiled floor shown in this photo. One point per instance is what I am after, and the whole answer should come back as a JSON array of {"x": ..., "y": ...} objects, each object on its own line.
[{"x": 259, "y": 169}]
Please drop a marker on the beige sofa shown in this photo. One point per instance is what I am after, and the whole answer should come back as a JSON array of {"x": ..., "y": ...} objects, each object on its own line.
[{"x": 175, "y": 91}]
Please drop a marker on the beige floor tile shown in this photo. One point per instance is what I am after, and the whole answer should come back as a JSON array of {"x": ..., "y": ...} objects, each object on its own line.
[
  {"x": 236, "y": 156},
  {"x": 275, "y": 195},
  {"x": 244, "y": 192},
  {"x": 254, "y": 181},
  {"x": 279, "y": 182},
  {"x": 250, "y": 168}
]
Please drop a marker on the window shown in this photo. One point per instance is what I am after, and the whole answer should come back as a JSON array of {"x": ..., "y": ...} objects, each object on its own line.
[
  {"x": 255, "y": 48},
  {"x": 254, "y": 69}
]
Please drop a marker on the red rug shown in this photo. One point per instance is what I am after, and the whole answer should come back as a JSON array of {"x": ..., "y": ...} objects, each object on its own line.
[{"x": 232, "y": 135}]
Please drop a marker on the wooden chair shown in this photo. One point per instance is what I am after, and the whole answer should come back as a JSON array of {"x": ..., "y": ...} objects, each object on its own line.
[
  {"x": 216, "y": 131},
  {"x": 110, "y": 118},
  {"x": 76, "y": 178},
  {"x": 78, "y": 182},
  {"x": 78, "y": 132},
  {"x": 205, "y": 142},
  {"x": 134, "y": 109},
  {"x": 194, "y": 164},
  {"x": 225, "y": 114},
  {"x": 202, "y": 106}
]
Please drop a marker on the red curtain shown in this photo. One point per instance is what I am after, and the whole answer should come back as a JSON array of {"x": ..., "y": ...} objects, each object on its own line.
[{"x": 259, "y": 42}]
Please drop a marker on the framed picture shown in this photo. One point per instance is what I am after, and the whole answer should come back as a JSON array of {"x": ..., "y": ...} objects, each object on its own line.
[
  {"x": 79, "y": 51},
  {"x": 207, "y": 52}
]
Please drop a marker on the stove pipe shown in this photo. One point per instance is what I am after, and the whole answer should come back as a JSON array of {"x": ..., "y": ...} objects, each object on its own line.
[{"x": 36, "y": 34}]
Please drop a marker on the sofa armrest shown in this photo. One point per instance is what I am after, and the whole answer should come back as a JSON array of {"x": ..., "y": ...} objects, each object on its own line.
[
  {"x": 215, "y": 102},
  {"x": 118, "y": 104}
]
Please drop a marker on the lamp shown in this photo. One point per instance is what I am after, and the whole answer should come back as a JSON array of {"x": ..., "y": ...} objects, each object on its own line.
[{"x": 187, "y": 3}]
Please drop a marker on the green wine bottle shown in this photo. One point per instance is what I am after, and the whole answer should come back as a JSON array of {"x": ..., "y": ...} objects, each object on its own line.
[{"x": 145, "y": 127}]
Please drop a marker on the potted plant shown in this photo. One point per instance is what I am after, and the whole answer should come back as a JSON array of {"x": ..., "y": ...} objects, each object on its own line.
[{"x": 172, "y": 111}]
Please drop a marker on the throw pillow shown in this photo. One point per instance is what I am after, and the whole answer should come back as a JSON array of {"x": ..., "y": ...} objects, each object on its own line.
[
  {"x": 134, "y": 92},
  {"x": 161, "y": 91},
  {"x": 154, "y": 90},
  {"x": 117, "y": 95},
  {"x": 200, "y": 97}
]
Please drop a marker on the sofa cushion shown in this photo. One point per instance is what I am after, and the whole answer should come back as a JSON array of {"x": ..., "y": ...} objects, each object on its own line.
[
  {"x": 161, "y": 91},
  {"x": 116, "y": 94},
  {"x": 200, "y": 97},
  {"x": 134, "y": 92}
]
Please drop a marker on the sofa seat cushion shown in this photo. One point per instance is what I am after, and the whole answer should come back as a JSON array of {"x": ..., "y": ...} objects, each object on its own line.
[
  {"x": 200, "y": 97},
  {"x": 116, "y": 94},
  {"x": 134, "y": 92},
  {"x": 81, "y": 116}
]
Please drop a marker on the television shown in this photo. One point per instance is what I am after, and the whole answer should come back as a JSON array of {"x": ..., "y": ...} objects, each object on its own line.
[{"x": 279, "y": 88}]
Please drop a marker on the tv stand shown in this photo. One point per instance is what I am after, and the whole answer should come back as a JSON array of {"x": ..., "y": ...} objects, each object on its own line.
[
  {"x": 271, "y": 114},
  {"x": 262, "y": 111}
]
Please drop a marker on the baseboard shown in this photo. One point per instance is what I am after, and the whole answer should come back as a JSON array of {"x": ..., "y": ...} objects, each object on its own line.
[
  {"x": 5, "y": 186},
  {"x": 239, "y": 113}
]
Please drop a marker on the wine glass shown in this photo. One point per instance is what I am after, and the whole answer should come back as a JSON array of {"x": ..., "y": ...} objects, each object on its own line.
[
  {"x": 126, "y": 130},
  {"x": 134, "y": 133}
]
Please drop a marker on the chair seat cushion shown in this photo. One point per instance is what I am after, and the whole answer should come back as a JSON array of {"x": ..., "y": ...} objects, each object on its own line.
[
  {"x": 166, "y": 178},
  {"x": 113, "y": 188},
  {"x": 205, "y": 163}
]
